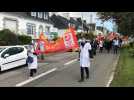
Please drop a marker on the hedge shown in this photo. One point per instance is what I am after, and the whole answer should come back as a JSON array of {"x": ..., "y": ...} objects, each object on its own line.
[
  {"x": 23, "y": 39},
  {"x": 7, "y": 37}
]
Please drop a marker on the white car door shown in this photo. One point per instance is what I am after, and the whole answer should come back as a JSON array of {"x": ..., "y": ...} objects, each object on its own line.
[
  {"x": 10, "y": 61},
  {"x": 22, "y": 55}
]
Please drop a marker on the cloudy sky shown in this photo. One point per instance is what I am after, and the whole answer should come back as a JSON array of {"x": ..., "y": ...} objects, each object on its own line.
[{"x": 87, "y": 17}]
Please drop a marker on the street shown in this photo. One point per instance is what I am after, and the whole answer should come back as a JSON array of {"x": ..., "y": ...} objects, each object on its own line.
[{"x": 66, "y": 73}]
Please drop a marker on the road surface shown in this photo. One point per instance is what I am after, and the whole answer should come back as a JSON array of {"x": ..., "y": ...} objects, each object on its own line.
[{"x": 67, "y": 72}]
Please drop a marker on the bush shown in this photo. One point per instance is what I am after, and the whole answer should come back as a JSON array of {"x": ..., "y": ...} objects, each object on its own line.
[
  {"x": 23, "y": 39},
  {"x": 7, "y": 37}
]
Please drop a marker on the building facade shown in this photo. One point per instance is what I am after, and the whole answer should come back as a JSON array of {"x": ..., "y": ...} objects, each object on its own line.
[{"x": 26, "y": 23}]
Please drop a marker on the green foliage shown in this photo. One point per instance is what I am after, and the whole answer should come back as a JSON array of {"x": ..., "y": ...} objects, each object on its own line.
[
  {"x": 131, "y": 52},
  {"x": 124, "y": 20},
  {"x": 86, "y": 35},
  {"x": 55, "y": 36},
  {"x": 124, "y": 73},
  {"x": 23, "y": 39},
  {"x": 7, "y": 37}
]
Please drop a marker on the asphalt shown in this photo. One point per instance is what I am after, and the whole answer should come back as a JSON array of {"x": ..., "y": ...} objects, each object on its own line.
[{"x": 65, "y": 75}]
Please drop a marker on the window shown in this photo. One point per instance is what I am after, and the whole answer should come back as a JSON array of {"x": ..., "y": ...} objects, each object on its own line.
[
  {"x": 40, "y": 28},
  {"x": 10, "y": 51},
  {"x": 40, "y": 15},
  {"x": 33, "y": 14},
  {"x": 11, "y": 24},
  {"x": 1, "y": 49},
  {"x": 46, "y": 15},
  {"x": 47, "y": 29},
  {"x": 31, "y": 28},
  {"x": 19, "y": 49}
]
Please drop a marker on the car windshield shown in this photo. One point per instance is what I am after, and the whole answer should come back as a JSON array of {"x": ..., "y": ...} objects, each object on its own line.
[{"x": 1, "y": 49}]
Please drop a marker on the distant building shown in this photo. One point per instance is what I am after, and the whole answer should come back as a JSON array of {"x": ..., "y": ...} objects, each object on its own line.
[{"x": 92, "y": 27}]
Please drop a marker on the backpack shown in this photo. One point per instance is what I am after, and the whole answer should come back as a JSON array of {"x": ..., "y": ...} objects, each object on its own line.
[{"x": 29, "y": 59}]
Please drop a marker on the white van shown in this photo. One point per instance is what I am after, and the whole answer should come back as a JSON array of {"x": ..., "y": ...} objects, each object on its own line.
[{"x": 12, "y": 56}]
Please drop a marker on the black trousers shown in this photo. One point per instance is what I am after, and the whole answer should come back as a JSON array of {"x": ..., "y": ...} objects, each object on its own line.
[
  {"x": 82, "y": 72},
  {"x": 101, "y": 49},
  {"x": 115, "y": 49},
  {"x": 32, "y": 71}
]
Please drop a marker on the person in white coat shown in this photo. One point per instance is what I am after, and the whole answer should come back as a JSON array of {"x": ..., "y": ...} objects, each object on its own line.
[
  {"x": 34, "y": 65},
  {"x": 85, "y": 48}
]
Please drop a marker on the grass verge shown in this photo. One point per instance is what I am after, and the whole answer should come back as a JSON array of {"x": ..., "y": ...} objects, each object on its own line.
[{"x": 124, "y": 74}]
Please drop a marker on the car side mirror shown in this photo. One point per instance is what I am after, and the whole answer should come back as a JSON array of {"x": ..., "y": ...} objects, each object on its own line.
[{"x": 6, "y": 55}]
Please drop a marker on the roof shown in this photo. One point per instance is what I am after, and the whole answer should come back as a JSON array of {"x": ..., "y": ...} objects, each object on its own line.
[{"x": 59, "y": 22}]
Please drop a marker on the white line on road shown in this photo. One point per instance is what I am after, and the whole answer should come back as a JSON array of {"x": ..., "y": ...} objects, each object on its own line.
[
  {"x": 70, "y": 62},
  {"x": 110, "y": 80},
  {"x": 112, "y": 74},
  {"x": 34, "y": 78}
]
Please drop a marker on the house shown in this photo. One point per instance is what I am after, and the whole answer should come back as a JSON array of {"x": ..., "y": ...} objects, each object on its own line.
[
  {"x": 82, "y": 25},
  {"x": 27, "y": 23},
  {"x": 102, "y": 30},
  {"x": 92, "y": 27}
]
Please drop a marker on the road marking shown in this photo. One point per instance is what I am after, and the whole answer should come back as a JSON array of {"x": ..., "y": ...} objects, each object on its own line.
[
  {"x": 34, "y": 78},
  {"x": 70, "y": 62},
  {"x": 112, "y": 75},
  {"x": 110, "y": 80}
]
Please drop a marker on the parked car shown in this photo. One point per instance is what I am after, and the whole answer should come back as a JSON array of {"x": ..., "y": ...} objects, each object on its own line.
[{"x": 12, "y": 56}]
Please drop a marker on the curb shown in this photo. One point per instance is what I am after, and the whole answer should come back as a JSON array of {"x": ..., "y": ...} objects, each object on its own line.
[{"x": 113, "y": 72}]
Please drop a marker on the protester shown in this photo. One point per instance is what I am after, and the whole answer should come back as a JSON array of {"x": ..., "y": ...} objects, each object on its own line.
[
  {"x": 100, "y": 46},
  {"x": 85, "y": 47},
  {"x": 107, "y": 45},
  {"x": 32, "y": 63},
  {"x": 116, "y": 45},
  {"x": 94, "y": 47}
]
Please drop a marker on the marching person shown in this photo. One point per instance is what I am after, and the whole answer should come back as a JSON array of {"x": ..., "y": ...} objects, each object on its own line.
[
  {"x": 116, "y": 45},
  {"x": 101, "y": 46},
  {"x": 85, "y": 49},
  {"x": 32, "y": 63}
]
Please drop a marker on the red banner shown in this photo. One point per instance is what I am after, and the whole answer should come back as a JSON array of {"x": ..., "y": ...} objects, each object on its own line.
[{"x": 68, "y": 41}]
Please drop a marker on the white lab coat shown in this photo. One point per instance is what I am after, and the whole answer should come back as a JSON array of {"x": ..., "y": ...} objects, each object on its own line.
[
  {"x": 34, "y": 64},
  {"x": 84, "y": 55}
]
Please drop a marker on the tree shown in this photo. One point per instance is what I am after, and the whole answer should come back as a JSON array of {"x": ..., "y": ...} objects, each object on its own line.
[{"x": 124, "y": 20}]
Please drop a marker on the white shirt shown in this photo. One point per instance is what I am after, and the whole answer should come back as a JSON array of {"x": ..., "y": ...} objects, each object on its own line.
[
  {"x": 84, "y": 55},
  {"x": 101, "y": 44},
  {"x": 116, "y": 42}
]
